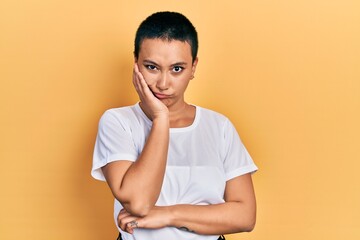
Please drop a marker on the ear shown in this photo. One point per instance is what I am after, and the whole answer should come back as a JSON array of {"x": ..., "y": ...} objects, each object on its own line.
[{"x": 193, "y": 68}]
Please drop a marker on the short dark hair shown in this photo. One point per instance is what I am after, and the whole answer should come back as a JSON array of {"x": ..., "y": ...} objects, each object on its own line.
[{"x": 167, "y": 26}]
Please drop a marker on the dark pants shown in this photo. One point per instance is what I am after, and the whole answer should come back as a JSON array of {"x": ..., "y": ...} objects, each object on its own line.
[{"x": 220, "y": 238}]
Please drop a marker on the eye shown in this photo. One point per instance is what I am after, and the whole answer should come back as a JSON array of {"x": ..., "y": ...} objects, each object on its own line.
[
  {"x": 151, "y": 67},
  {"x": 178, "y": 69}
]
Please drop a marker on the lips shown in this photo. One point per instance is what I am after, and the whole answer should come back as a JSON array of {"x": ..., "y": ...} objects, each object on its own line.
[{"x": 161, "y": 96}]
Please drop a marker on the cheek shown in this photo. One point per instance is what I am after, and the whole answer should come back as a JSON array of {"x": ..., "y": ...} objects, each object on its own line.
[
  {"x": 149, "y": 77},
  {"x": 181, "y": 82}
]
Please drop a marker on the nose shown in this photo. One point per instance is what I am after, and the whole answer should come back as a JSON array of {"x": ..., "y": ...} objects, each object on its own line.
[{"x": 163, "y": 82}]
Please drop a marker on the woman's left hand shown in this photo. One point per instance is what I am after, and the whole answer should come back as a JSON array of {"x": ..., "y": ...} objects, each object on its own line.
[{"x": 158, "y": 217}]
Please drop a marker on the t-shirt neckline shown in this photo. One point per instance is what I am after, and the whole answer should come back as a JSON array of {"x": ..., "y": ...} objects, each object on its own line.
[{"x": 172, "y": 130}]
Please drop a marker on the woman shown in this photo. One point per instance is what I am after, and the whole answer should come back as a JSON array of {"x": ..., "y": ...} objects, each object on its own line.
[{"x": 177, "y": 171}]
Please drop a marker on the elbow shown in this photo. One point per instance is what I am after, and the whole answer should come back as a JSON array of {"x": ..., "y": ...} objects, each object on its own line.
[
  {"x": 135, "y": 208},
  {"x": 249, "y": 228},
  {"x": 244, "y": 227},
  {"x": 249, "y": 220},
  {"x": 250, "y": 225},
  {"x": 246, "y": 224}
]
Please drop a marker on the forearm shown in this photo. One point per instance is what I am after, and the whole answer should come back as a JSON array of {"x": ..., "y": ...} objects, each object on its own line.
[
  {"x": 236, "y": 214},
  {"x": 141, "y": 185},
  {"x": 217, "y": 219}
]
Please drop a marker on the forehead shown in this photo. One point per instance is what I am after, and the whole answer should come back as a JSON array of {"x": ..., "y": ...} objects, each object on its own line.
[{"x": 165, "y": 50}]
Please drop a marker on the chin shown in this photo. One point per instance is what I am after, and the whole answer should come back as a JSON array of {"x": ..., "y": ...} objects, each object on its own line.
[{"x": 166, "y": 102}]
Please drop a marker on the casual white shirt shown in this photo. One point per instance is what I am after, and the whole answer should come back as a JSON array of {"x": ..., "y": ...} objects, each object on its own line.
[{"x": 201, "y": 158}]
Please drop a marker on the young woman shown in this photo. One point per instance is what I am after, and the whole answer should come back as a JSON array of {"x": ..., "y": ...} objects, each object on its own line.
[{"x": 177, "y": 171}]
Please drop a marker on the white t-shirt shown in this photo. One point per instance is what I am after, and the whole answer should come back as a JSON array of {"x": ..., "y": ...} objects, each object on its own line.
[{"x": 201, "y": 158}]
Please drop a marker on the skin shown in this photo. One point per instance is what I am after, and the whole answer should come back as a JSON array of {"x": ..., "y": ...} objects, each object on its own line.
[
  {"x": 161, "y": 75},
  {"x": 167, "y": 67}
]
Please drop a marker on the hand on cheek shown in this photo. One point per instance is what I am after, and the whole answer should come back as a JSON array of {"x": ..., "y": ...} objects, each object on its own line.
[{"x": 151, "y": 105}]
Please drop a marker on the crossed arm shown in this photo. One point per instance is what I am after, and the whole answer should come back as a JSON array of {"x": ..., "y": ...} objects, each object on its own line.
[
  {"x": 237, "y": 214},
  {"x": 137, "y": 185}
]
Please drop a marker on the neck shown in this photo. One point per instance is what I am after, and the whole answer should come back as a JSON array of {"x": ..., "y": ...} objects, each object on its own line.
[
  {"x": 182, "y": 116},
  {"x": 177, "y": 112}
]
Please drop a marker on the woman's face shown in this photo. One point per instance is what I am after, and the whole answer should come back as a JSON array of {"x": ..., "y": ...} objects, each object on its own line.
[{"x": 167, "y": 67}]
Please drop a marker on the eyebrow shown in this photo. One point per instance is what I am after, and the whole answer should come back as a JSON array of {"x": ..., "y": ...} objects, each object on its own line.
[{"x": 172, "y": 65}]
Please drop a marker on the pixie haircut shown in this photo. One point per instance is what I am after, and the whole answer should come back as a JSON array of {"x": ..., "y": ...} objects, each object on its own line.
[{"x": 167, "y": 26}]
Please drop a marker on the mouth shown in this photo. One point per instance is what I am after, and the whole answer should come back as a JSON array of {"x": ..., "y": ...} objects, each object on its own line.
[{"x": 160, "y": 96}]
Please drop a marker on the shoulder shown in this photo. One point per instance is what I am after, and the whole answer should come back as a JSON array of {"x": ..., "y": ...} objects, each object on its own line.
[
  {"x": 119, "y": 112},
  {"x": 217, "y": 121},
  {"x": 119, "y": 116},
  {"x": 212, "y": 116}
]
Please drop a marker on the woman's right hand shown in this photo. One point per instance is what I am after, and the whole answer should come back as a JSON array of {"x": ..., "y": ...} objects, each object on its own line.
[
  {"x": 158, "y": 217},
  {"x": 152, "y": 106}
]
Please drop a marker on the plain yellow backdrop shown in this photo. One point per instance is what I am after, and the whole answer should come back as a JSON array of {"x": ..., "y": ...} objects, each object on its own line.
[{"x": 287, "y": 73}]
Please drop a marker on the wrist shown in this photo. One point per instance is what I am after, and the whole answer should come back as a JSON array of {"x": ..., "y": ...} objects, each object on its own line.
[
  {"x": 163, "y": 118},
  {"x": 171, "y": 212}
]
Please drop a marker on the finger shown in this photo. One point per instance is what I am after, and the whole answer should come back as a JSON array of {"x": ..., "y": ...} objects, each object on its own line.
[
  {"x": 143, "y": 86},
  {"x": 138, "y": 81},
  {"x": 121, "y": 215},
  {"x": 135, "y": 80},
  {"x": 139, "y": 74},
  {"x": 132, "y": 225},
  {"x": 121, "y": 219},
  {"x": 122, "y": 223},
  {"x": 123, "y": 210}
]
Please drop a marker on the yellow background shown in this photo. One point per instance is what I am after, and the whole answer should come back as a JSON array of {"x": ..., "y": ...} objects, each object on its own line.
[{"x": 287, "y": 73}]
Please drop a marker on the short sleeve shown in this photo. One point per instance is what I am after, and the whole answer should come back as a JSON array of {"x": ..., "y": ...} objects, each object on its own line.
[
  {"x": 237, "y": 160},
  {"x": 113, "y": 142}
]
